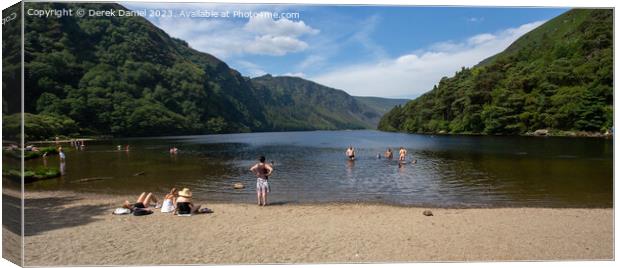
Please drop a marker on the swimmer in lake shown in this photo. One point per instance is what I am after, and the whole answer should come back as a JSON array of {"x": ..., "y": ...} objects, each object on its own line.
[
  {"x": 402, "y": 154},
  {"x": 388, "y": 154},
  {"x": 350, "y": 153}
]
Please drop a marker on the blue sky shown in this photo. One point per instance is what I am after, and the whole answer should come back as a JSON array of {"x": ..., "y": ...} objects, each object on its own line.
[{"x": 381, "y": 51}]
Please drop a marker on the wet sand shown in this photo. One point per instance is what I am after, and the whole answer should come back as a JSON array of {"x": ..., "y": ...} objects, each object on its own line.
[{"x": 64, "y": 228}]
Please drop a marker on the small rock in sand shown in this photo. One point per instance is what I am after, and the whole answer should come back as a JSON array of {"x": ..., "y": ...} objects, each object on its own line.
[{"x": 427, "y": 213}]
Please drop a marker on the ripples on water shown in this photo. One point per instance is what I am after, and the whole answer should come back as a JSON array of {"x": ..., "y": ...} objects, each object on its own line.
[{"x": 311, "y": 167}]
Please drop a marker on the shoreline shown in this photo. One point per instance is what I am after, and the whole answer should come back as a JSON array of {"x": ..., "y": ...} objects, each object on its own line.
[
  {"x": 68, "y": 228},
  {"x": 375, "y": 202},
  {"x": 551, "y": 133},
  {"x": 562, "y": 134},
  {"x": 62, "y": 141}
]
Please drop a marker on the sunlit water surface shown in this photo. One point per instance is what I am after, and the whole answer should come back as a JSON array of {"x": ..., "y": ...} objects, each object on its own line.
[{"x": 461, "y": 171}]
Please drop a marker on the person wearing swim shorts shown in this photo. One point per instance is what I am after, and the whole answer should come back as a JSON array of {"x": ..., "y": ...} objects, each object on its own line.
[
  {"x": 350, "y": 153},
  {"x": 140, "y": 207},
  {"x": 262, "y": 171}
]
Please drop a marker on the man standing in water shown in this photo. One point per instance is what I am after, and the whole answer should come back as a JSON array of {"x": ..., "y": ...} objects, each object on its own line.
[
  {"x": 402, "y": 154},
  {"x": 262, "y": 172},
  {"x": 350, "y": 153},
  {"x": 388, "y": 154}
]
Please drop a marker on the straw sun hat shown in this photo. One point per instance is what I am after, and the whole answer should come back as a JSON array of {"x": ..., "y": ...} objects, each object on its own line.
[{"x": 185, "y": 192}]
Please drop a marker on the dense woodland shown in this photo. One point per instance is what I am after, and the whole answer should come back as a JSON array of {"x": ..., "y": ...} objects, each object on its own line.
[
  {"x": 557, "y": 77},
  {"x": 123, "y": 76}
]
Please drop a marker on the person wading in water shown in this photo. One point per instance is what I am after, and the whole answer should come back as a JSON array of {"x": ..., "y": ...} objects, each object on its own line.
[{"x": 350, "y": 153}]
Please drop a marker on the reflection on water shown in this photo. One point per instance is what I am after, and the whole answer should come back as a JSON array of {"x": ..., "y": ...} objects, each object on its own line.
[
  {"x": 62, "y": 167},
  {"x": 311, "y": 167}
]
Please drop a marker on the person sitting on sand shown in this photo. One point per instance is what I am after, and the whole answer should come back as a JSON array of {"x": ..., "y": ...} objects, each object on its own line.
[
  {"x": 170, "y": 201},
  {"x": 184, "y": 203},
  {"x": 350, "y": 153},
  {"x": 262, "y": 172},
  {"x": 388, "y": 154},
  {"x": 402, "y": 154},
  {"x": 140, "y": 207}
]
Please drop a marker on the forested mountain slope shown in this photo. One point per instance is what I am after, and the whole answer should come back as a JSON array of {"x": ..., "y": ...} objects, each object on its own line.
[
  {"x": 558, "y": 76},
  {"x": 124, "y": 76}
]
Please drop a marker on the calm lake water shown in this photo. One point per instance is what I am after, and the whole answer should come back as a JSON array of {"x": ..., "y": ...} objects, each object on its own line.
[{"x": 451, "y": 171}]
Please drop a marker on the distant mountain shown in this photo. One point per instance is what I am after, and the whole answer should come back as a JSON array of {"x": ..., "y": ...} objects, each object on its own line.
[
  {"x": 299, "y": 104},
  {"x": 123, "y": 76},
  {"x": 559, "y": 76},
  {"x": 381, "y": 105}
]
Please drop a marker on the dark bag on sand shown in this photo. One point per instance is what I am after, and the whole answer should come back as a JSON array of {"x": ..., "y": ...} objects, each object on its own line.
[{"x": 142, "y": 212}]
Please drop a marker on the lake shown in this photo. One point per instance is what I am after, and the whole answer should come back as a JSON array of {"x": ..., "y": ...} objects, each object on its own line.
[{"x": 311, "y": 167}]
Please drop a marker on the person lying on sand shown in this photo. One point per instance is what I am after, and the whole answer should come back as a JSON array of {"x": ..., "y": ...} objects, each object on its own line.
[
  {"x": 184, "y": 203},
  {"x": 170, "y": 201},
  {"x": 140, "y": 207}
]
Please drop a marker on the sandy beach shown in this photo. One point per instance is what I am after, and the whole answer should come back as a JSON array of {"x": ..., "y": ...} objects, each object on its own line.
[{"x": 64, "y": 228}]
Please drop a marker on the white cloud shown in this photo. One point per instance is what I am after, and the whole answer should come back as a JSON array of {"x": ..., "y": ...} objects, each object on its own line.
[
  {"x": 275, "y": 45},
  {"x": 262, "y": 23},
  {"x": 205, "y": 35},
  {"x": 415, "y": 73},
  {"x": 260, "y": 35},
  {"x": 298, "y": 74},
  {"x": 480, "y": 39}
]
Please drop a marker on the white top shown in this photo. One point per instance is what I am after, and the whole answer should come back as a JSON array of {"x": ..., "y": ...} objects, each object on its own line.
[{"x": 167, "y": 206}]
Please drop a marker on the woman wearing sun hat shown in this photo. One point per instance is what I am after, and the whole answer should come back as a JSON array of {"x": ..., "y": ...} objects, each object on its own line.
[{"x": 184, "y": 203}]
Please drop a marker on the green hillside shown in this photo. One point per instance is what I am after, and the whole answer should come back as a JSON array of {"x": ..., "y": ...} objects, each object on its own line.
[
  {"x": 557, "y": 77},
  {"x": 298, "y": 104},
  {"x": 123, "y": 76}
]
